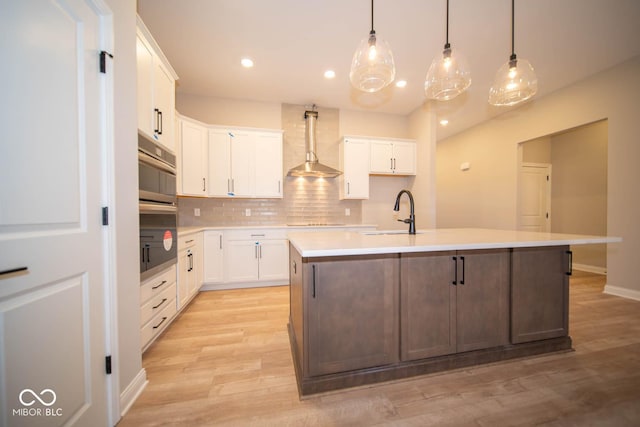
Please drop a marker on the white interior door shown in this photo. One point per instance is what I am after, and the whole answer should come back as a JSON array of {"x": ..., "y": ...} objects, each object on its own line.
[
  {"x": 52, "y": 315},
  {"x": 534, "y": 210}
]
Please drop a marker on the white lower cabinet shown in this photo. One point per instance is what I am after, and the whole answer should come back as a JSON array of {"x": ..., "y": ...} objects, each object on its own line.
[
  {"x": 256, "y": 255},
  {"x": 190, "y": 263},
  {"x": 157, "y": 305},
  {"x": 213, "y": 257}
]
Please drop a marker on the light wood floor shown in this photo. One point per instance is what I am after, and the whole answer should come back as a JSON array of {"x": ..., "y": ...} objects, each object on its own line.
[{"x": 226, "y": 361}]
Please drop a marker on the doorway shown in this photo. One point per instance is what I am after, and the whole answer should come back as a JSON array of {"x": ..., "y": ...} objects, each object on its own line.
[{"x": 578, "y": 186}]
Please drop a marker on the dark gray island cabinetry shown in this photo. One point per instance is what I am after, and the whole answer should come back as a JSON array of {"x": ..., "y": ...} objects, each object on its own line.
[{"x": 367, "y": 308}]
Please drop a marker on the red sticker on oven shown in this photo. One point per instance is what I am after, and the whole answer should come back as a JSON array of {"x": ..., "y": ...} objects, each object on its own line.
[{"x": 167, "y": 240}]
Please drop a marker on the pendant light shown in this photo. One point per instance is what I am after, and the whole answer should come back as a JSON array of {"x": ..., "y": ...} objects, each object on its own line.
[
  {"x": 515, "y": 81},
  {"x": 448, "y": 75},
  {"x": 372, "y": 68}
]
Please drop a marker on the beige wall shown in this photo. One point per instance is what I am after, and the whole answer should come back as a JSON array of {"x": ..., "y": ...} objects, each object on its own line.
[
  {"x": 485, "y": 196},
  {"x": 229, "y": 112},
  {"x": 537, "y": 150},
  {"x": 579, "y": 189}
]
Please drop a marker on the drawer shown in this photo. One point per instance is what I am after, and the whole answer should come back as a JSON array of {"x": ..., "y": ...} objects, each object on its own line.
[
  {"x": 158, "y": 323},
  {"x": 256, "y": 234},
  {"x": 157, "y": 303},
  {"x": 187, "y": 241},
  {"x": 157, "y": 284}
]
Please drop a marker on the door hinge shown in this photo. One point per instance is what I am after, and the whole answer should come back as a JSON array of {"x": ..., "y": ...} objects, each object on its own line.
[
  {"x": 107, "y": 365},
  {"x": 105, "y": 215},
  {"x": 103, "y": 61}
]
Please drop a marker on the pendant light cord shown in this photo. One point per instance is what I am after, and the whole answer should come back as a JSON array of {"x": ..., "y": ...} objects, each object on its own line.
[
  {"x": 513, "y": 26},
  {"x": 372, "y": 30},
  {"x": 447, "y": 45}
]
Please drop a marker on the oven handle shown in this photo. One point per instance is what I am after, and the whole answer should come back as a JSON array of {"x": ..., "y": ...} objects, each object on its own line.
[
  {"x": 152, "y": 208},
  {"x": 152, "y": 161}
]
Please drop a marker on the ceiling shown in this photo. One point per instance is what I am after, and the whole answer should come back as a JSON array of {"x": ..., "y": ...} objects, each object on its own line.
[{"x": 293, "y": 42}]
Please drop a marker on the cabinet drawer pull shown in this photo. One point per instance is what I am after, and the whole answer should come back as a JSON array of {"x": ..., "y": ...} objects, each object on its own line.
[
  {"x": 313, "y": 281},
  {"x": 161, "y": 283},
  {"x": 161, "y": 322},
  {"x": 570, "y": 272},
  {"x": 13, "y": 270},
  {"x": 463, "y": 272},
  {"x": 161, "y": 302},
  {"x": 188, "y": 241},
  {"x": 455, "y": 269},
  {"x": 257, "y": 235}
]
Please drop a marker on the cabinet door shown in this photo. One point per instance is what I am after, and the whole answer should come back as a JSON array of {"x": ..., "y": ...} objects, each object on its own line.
[
  {"x": 539, "y": 293},
  {"x": 193, "y": 159},
  {"x": 241, "y": 261},
  {"x": 242, "y": 163},
  {"x": 354, "y": 181},
  {"x": 213, "y": 259},
  {"x": 353, "y": 324},
  {"x": 274, "y": 260},
  {"x": 404, "y": 158},
  {"x": 219, "y": 163},
  {"x": 268, "y": 165},
  {"x": 144, "y": 64},
  {"x": 381, "y": 157},
  {"x": 428, "y": 301},
  {"x": 164, "y": 102},
  {"x": 186, "y": 276},
  {"x": 482, "y": 299}
]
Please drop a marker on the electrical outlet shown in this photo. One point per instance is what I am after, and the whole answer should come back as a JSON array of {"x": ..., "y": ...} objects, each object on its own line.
[
  {"x": 196, "y": 211},
  {"x": 247, "y": 212},
  {"x": 347, "y": 212}
]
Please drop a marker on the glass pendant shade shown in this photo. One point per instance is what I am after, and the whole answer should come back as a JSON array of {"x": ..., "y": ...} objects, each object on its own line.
[
  {"x": 372, "y": 68},
  {"x": 515, "y": 82},
  {"x": 448, "y": 76}
]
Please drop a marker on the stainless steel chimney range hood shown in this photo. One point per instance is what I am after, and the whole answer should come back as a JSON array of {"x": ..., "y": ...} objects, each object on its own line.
[{"x": 312, "y": 167}]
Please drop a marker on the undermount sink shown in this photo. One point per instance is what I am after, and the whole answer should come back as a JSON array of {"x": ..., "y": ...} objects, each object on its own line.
[{"x": 387, "y": 232}]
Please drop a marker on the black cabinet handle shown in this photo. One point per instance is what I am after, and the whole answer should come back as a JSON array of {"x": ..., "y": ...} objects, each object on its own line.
[
  {"x": 313, "y": 284},
  {"x": 155, "y": 110},
  {"x": 455, "y": 269},
  {"x": 161, "y": 283},
  {"x": 190, "y": 256},
  {"x": 295, "y": 267},
  {"x": 13, "y": 270},
  {"x": 204, "y": 184},
  {"x": 570, "y": 272},
  {"x": 160, "y": 121},
  {"x": 161, "y": 302},
  {"x": 161, "y": 322},
  {"x": 462, "y": 281}
]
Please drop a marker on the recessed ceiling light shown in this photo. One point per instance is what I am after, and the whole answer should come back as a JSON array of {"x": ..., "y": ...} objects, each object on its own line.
[
  {"x": 444, "y": 122},
  {"x": 246, "y": 62},
  {"x": 329, "y": 74},
  {"x": 401, "y": 83}
]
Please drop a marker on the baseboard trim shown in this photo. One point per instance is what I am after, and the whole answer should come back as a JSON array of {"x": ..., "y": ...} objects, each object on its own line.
[
  {"x": 133, "y": 391},
  {"x": 590, "y": 268},
  {"x": 243, "y": 285},
  {"x": 622, "y": 292}
]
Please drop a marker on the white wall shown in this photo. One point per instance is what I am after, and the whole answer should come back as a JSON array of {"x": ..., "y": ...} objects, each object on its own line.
[
  {"x": 127, "y": 360},
  {"x": 485, "y": 196}
]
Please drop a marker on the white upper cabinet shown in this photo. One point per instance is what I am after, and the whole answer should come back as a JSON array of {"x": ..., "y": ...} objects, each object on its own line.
[
  {"x": 156, "y": 90},
  {"x": 354, "y": 164},
  {"x": 393, "y": 157},
  {"x": 268, "y": 167},
  {"x": 245, "y": 163},
  {"x": 193, "y": 165}
]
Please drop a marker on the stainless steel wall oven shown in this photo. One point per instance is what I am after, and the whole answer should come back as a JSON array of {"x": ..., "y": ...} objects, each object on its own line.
[{"x": 158, "y": 210}]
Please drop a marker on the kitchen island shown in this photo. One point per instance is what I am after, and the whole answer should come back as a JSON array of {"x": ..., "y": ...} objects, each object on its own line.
[{"x": 375, "y": 306}]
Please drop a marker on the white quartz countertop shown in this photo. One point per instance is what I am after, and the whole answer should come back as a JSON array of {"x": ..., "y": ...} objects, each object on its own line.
[{"x": 341, "y": 243}]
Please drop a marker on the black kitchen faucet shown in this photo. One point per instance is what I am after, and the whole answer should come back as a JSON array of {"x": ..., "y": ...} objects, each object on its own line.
[{"x": 412, "y": 218}]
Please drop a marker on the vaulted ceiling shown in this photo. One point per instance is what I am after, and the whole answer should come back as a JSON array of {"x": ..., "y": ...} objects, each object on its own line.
[{"x": 293, "y": 42}]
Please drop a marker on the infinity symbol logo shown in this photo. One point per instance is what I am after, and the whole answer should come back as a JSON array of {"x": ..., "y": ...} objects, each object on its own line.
[{"x": 37, "y": 397}]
